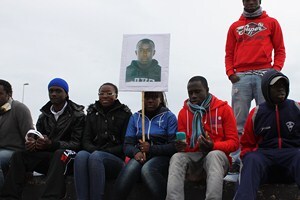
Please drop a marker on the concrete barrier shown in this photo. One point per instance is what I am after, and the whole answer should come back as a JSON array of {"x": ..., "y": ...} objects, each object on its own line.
[{"x": 193, "y": 191}]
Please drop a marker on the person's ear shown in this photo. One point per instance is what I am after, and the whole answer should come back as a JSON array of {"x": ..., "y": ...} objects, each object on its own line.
[
  {"x": 160, "y": 101},
  {"x": 154, "y": 52},
  {"x": 135, "y": 52}
]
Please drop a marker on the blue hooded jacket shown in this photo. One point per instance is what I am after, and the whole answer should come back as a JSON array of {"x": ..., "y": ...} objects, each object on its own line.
[
  {"x": 277, "y": 125},
  {"x": 160, "y": 132}
]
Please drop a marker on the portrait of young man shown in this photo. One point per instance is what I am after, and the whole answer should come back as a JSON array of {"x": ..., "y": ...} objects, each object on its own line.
[
  {"x": 145, "y": 68},
  {"x": 145, "y": 62}
]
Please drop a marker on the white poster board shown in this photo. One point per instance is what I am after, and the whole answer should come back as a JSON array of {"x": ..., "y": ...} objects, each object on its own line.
[{"x": 145, "y": 67}]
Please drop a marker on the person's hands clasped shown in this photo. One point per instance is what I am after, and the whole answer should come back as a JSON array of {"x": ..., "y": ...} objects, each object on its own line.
[
  {"x": 43, "y": 143},
  {"x": 205, "y": 143},
  {"x": 30, "y": 144},
  {"x": 140, "y": 157},
  {"x": 234, "y": 78}
]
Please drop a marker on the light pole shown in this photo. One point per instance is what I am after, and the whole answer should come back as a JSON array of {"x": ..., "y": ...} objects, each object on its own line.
[{"x": 24, "y": 91}]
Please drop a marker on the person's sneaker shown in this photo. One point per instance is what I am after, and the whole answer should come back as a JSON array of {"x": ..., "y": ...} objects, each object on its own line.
[
  {"x": 233, "y": 173},
  {"x": 231, "y": 177}
]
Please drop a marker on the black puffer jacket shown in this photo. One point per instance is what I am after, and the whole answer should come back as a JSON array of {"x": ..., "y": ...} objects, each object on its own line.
[
  {"x": 106, "y": 131},
  {"x": 66, "y": 132}
]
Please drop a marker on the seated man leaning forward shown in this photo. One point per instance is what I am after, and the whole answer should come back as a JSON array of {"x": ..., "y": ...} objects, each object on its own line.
[
  {"x": 271, "y": 141},
  {"x": 211, "y": 135},
  {"x": 61, "y": 124},
  {"x": 15, "y": 121}
]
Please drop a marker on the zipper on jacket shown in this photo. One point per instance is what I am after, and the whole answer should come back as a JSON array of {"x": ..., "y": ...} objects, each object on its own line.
[{"x": 278, "y": 127}]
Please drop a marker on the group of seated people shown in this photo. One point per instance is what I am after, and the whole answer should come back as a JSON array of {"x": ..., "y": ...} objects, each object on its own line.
[{"x": 110, "y": 142}]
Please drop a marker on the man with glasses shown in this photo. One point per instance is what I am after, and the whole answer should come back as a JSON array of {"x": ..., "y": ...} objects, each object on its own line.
[{"x": 61, "y": 125}]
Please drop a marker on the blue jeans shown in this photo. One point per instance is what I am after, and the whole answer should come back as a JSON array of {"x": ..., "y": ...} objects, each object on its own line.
[
  {"x": 91, "y": 170},
  {"x": 5, "y": 156},
  {"x": 235, "y": 156},
  {"x": 153, "y": 173},
  {"x": 242, "y": 94}
]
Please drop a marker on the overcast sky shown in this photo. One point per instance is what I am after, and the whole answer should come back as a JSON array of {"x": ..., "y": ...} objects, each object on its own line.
[{"x": 81, "y": 41}]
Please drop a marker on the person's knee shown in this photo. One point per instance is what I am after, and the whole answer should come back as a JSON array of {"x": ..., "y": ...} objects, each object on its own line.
[
  {"x": 297, "y": 156},
  {"x": 132, "y": 165},
  {"x": 62, "y": 156},
  {"x": 81, "y": 156},
  {"x": 216, "y": 155},
  {"x": 97, "y": 156},
  {"x": 58, "y": 152},
  {"x": 216, "y": 160},
  {"x": 296, "y": 163},
  {"x": 145, "y": 169},
  {"x": 177, "y": 158},
  {"x": 148, "y": 169},
  {"x": 18, "y": 155},
  {"x": 252, "y": 158},
  {"x": 145, "y": 172}
]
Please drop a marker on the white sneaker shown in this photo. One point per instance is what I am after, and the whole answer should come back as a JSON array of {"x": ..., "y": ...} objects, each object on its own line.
[{"x": 231, "y": 177}]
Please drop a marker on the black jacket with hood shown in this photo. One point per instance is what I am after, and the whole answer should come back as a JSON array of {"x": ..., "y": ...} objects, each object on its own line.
[
  {"x": 277, "y": 125},
  {"x": 105, "y": 131}
]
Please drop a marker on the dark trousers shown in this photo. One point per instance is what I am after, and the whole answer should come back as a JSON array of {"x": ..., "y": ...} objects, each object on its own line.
[
  {"x": 48, "y": 163},
  {"x": 267, "y": 166}
]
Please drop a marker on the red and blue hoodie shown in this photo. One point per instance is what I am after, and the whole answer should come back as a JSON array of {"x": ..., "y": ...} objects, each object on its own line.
[
  {"x": 269, "y": 125},
  {"x": 219, "y": 123},
  {"x": 250, "y": 43}
]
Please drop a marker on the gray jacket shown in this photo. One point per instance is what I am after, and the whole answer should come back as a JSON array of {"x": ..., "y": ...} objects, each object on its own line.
[{"x": 14, "y": 125}]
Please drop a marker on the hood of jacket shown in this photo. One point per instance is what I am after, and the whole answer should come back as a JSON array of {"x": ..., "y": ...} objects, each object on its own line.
[
  {"x": 96, "y": 107},
  {"x": 212, "y": 112},
  {"x": 265, "y": 83},
  {"x": 159, "y": 111}
]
